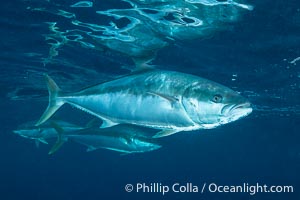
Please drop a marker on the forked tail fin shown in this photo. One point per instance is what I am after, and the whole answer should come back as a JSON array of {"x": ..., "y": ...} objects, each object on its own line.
[
  {"x": 61, "y": 139},
  {"x": 55, "y": 102}
]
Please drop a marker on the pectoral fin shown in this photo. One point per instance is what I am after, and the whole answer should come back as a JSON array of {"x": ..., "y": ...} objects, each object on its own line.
[
  {"x": 37, "y": 143},
  {"x": 165, "y": 133},
  {"x": 90, "y": 148},
  {"x": 42, "y": 140},
  {"x": 171, "y": 99}
]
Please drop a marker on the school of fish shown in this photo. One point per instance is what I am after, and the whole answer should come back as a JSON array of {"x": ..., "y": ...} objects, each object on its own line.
[{"x": 138, "y": 109}]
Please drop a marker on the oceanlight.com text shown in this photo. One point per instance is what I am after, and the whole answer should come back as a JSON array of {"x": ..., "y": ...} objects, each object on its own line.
[
  {"x": 177, "y": 187},
  {"x": 251, "y": 189}
]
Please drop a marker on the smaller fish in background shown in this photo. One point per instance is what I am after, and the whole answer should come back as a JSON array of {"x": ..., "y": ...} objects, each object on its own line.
[
  {"x": 45, "y": 131},
  {"x": 121, "y": 138}
]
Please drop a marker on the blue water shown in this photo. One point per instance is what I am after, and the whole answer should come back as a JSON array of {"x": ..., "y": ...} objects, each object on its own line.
[{"x": 256, "y": 54}]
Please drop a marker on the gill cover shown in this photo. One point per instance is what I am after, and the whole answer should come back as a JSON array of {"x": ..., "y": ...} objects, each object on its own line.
[
  {"x": 191, "y": 103},
  {"x": 203, "y": 103}
]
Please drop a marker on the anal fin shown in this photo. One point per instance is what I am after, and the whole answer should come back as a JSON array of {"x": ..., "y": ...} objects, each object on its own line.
[{"x": 165, "y": 133}]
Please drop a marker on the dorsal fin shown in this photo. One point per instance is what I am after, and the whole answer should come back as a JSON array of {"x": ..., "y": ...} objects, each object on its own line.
[{"x": 143, "y": 64}]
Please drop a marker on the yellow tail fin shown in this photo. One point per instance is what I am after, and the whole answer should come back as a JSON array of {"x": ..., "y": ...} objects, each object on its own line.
[{"x": 55, "y": 102}]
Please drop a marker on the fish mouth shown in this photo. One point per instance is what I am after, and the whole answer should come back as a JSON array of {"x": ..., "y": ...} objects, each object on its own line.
[
  {"x": 234, "y": 112},
  {"x": 246, "y": 105},
  {"x": 240, "y": 110}
]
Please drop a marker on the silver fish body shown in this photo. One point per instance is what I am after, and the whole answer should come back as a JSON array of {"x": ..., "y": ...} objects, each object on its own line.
[
  {"x": 158, "y": 99},
  {"x": 150, "y": 99},
  {"x": 45, "y": 131},
  {"x": 121, "y": 144},
  {"x": 120, "y": 138}
]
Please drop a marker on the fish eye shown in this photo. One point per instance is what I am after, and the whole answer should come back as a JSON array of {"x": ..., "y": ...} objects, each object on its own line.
[{"x": 217, "y": 98}]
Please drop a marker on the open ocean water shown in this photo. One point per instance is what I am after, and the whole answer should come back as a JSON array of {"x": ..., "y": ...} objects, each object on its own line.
[{"x": 255, "y": 51}]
